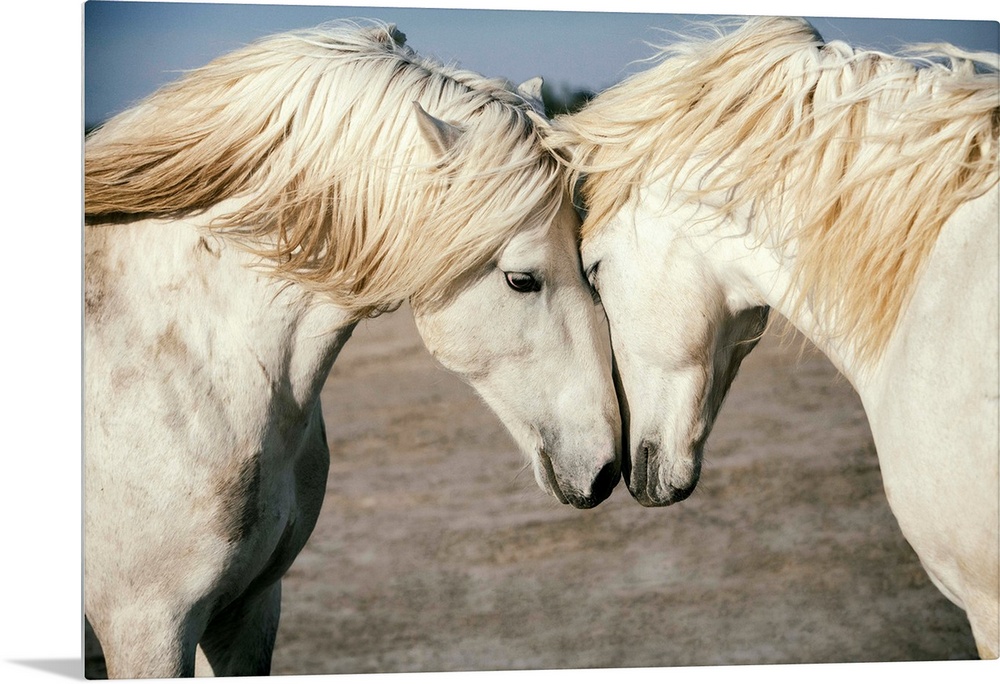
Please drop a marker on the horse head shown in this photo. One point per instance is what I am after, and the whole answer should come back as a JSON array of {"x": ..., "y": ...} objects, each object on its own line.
[{"x": 524, "y": 331}]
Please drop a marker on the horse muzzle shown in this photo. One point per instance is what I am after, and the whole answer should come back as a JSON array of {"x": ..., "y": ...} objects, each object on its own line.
[
  {"x": 653, "y": 479},
  {"x": 599, "y": 488}
]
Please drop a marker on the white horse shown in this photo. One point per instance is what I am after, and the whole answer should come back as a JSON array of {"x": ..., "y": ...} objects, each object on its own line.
[
  {"x": 856, "y": 194},
  {"x": 238, "y": 224}
]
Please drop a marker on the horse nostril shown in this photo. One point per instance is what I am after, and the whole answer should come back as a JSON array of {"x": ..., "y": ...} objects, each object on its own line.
[
  {"x": 605, "y": 482},
  {"x": 636, "y": 467}
]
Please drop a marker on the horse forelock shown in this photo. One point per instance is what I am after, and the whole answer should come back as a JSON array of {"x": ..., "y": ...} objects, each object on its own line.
[
  {"x": 851, "y": 160},
  {"x": 316, "y": 132}
]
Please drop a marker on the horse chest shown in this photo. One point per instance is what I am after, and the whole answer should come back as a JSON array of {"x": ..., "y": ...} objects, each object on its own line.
[{"x": 268, "y": 507}]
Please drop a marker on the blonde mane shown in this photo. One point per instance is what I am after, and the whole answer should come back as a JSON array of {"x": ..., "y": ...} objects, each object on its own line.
[
  {"x": 316, "y": 133},
  {"x": 849, "y": 161}
]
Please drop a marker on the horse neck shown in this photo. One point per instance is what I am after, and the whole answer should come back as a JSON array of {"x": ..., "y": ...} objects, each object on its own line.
[
  {"x": 207, "y": 295},
  {"x": 754, "y": 273}
]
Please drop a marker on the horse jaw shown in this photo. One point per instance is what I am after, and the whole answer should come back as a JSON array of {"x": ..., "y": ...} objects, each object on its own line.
[{"x": 559, "y": 408}]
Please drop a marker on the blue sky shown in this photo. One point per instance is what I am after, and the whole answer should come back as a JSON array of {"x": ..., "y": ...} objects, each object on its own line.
[{"x": 130, "y": 48}]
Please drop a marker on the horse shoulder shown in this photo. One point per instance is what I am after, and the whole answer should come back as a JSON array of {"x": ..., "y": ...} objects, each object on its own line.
[
  {"x": 195, "y": 430},
  {"x": 933, "y": 409}
]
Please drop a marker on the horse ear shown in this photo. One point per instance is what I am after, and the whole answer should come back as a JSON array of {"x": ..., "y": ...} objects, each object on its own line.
[
  {"x": 531, "y": 91},
  {"x": 440, "y": 135}
]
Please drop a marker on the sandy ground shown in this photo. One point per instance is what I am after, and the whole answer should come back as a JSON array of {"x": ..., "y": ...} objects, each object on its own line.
[{"x": 437, "y": 551}]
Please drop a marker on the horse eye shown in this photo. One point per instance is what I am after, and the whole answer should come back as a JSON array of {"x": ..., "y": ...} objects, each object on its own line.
[{"x": 522, "y": 282}]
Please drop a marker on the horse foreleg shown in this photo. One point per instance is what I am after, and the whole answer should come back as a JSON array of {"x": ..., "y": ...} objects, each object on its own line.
[
  {"x": 985, "y": 633},
  {"x": 239, "y": 641},
  {"x": 142, "y": 643},
  {"x": 984, "y": 616}
]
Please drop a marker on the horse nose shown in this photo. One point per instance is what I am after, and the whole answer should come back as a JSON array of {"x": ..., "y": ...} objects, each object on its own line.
[
  {"x": 604, "y": 483},
  {"x": 643, "y": 480}
]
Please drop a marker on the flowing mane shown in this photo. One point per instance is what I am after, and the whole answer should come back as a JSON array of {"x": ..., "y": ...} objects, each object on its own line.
[
  {"x": 315, "y": 134},
  {"x": 854, "y": 159}
]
